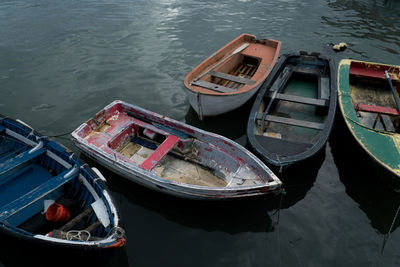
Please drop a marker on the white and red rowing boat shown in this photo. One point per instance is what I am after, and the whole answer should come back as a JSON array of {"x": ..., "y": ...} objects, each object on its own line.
[{"x": 172, "y": 157}]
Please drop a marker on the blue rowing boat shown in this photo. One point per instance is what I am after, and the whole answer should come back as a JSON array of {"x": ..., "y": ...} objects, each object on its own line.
[{"x": 48, "y": 197}]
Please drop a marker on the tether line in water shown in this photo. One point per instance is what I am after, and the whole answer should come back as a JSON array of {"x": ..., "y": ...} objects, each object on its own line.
[
  {"x": 282, "y": 194},
  {"x": 59, "y": 135},
  {"x": 386, "y": 237}
]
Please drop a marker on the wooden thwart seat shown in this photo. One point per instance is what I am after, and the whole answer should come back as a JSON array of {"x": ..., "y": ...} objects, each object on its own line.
[
  {"x": 213, "y": 86},
  {"x": 301, "y": 100},
  {"x": 367, "y": 72},
  {"x": 160, "y": 152},
  {"x": 37, "y": 193},
  {"x": 376, "y": 109},
  {"x": 19, "y": 160},
  {"x": 294, "y": 122},
  {"x": 305, "y": 70}
]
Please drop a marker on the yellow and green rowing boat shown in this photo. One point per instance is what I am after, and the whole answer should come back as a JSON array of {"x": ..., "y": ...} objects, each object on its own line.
[{"x": 368, "y": 95}]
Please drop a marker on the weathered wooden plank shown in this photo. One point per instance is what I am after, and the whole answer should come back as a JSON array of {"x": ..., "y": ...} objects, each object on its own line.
[
  {"x": 244, "y": 69},
  {"x": 305, "y": 70},
  {"x": 253, "y": 70},
  {"x": 93, "y": 226},
  {"x": 363, "y": 71},
  {"x": 76, "y": 220},
  {"x": 300, "y": 123},
  {"x": 213, "y": 86},
  {"x": 324, "y": 87},
  {"x": 160, "y": 152},
  {"x": 301, "y": 100},
  {"x": 19, "y": 160},
  {"x": 282, "y": 79},
  {"x": 248, "y": 71},
  {"x": 376, "y": 109},
  {"x": 230, "y": 77}
]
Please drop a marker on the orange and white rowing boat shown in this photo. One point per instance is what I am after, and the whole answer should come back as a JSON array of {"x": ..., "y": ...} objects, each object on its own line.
[{"x": 232, "y": 75}]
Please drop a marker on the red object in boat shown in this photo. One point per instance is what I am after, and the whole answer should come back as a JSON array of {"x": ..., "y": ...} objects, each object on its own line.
[{"x": 57, "y": 213}]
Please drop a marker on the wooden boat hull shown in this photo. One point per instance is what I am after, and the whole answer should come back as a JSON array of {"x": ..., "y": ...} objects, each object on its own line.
[
  {"x": 293, "y": 113},
  {"x": 231, "y": 76},
  {"x": 205, "y": 156},
  {"x": 33, "y": 169},
  {"x": 369, "y": 110}
]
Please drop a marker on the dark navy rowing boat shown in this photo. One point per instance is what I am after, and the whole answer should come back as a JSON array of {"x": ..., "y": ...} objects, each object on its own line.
[
  {"x": 293, "y": 113},
  {"x": 48, "y": 197}
]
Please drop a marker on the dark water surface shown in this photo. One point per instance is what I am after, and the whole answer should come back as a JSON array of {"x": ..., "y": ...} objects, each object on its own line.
[{"x": 62, "y": 61}]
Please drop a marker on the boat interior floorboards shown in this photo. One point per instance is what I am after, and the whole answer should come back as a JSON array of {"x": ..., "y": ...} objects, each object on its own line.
[
  {"x": 242, "y": 70},
  {"x": 172, "y": 168},
  {"x": 182, "y": 171},
  {"x": 372, "y": 92}
]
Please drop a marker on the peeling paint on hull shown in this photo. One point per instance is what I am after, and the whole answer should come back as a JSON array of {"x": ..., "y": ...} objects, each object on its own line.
[{"x": 356, "y": 80}]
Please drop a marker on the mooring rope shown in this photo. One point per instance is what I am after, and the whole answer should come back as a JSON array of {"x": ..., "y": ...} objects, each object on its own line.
[
  {"x": 386, "y": 236},
  {"x": 282, "y": 194},
  {"x": 278, "y": 215},
  {"x": 59, "y": 135}
]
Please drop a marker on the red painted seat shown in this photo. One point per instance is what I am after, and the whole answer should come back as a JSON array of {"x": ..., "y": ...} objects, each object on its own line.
[
  {"x": 376, "y": 109},
  {"x": 160, "y": 152},
  {"x": 367, "y": 72}
]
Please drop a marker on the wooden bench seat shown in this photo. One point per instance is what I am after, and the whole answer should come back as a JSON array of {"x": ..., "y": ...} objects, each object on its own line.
[
  {"x": 301, "y": 100},
  {"x": 19, "y": 160},
  {"x": 37, "y": 193},
  {"x": 368, "y": 73},
  {"x": 213, "y": 86},
  {"x": 160, "y": 152},
  {"x": 307, "y": 70},
  {"x": 376, "y": 109},
  {"x": 294, "y": 122}
]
